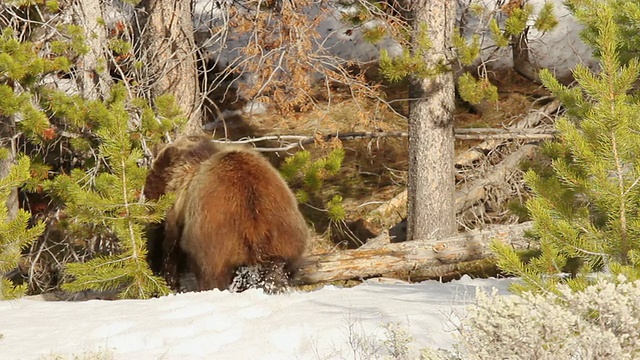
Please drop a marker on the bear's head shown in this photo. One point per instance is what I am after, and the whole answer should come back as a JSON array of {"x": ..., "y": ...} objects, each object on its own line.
[{"x": 183, "y": 151}]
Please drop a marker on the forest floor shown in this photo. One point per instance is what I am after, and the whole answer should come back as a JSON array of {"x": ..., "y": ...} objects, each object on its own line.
[{"x": 374, "y": 170}]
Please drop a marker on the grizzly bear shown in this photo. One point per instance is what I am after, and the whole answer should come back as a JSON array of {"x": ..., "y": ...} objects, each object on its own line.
[{"x": 232, "y": 209}]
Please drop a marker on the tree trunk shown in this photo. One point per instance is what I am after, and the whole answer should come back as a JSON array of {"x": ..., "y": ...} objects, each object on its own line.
[
  {"x": 431, "y": 182},
  {"x": 166, "y": 45},
  {"x": 93, "y": 80},
  {"x": 12, "y": 201}
]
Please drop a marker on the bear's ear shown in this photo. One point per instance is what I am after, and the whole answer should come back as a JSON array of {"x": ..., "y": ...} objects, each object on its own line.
[
  {"x": 163, "y": 156},
  {"x": 155, "y": 150}
]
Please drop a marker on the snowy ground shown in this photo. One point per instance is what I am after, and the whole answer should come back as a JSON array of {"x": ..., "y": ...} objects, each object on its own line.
[{"x": 330, "y": 323}]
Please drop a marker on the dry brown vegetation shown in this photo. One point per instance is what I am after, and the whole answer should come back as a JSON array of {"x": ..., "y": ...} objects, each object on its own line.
[{"x": 374, "y": 170}]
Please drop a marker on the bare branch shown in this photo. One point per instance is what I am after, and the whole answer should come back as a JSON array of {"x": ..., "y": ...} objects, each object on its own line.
[{"x": 290, "y": 142}]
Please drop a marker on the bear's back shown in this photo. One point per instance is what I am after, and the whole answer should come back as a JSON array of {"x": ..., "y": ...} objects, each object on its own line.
[{"x": 244, "y": 200}]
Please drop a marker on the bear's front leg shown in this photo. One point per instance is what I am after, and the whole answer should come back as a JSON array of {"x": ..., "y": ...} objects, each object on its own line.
[{"x": 175, "y": 260}]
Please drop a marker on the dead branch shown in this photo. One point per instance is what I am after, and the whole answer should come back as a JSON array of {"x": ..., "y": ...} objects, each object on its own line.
[
  {"x": 388, "y": 208},
  {"x": 289, "y": 142},
  {"x": 475, "y": 191},
  {"x": 508, "y": 135},
  {"x": 469, "y": 194},
  {"x": 533, "y": 119},
  {"x": 410, "y": 256}
]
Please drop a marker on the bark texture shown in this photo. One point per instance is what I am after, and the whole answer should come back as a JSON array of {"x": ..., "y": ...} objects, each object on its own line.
[
  {"x": 166, "y": 45},
  {"x": 431, "y": 182},
  {"x": 433, "y": 256},
  {"x": 93, "y": 80},
  {"x": 12, "y": 200}
]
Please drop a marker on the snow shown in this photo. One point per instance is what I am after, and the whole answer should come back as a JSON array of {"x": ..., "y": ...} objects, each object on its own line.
[
  {"x": 558, "y": 50},
  {"x": 321, "y": 324}
]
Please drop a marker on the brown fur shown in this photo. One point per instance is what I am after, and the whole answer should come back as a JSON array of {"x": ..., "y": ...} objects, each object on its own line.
[
  {"x": 186, "y": 151},
  {"x": 232, "y": 209}
]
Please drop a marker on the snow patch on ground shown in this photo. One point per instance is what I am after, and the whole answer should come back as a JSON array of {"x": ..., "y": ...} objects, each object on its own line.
[{"x": 321, "y": 324}]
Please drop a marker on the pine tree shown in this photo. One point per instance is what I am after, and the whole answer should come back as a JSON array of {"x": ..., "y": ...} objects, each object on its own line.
[
  {"x": 20, "y": 69},
  {"x": 69, "y": 132},
  {"x": 625, "y": 13},
  {"x": 587, "y": 213},
  {"x": 15, "y": 233},
  {"x": 110, "y": 196},
  {"x": 310, "y": 174}
]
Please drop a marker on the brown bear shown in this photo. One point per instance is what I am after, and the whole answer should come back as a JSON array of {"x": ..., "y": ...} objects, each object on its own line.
[
  {"x": 232, "y": 209},
  {"x": 186, "y": 151}
]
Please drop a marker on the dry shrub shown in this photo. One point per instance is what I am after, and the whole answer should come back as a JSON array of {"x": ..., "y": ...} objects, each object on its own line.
[
  {"x": 602, "y": 322},
  {"x": 276, "y": 47}
]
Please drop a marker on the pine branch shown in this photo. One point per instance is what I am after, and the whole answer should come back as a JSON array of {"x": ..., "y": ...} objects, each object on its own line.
[{"x": 15, "y": 233}]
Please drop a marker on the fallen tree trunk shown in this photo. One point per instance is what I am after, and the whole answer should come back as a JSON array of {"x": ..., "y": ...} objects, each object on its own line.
[
  {"x": 410, "y": 256},
  {"x": 484, "y": 268}
]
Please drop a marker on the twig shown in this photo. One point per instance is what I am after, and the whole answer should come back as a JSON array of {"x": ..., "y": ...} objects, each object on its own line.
[{"x": 506, "y": 136}]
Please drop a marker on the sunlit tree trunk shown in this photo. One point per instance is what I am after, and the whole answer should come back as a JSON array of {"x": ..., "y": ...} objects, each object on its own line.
[
  {"x": 431, "y": 143},
  {"x": 166, "y": 45},
  {"x": 93, "y": 76}
]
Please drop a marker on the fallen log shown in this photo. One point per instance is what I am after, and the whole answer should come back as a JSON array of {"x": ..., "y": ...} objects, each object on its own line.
[
  {"x": 484, "y": 268},
  {"x": 409, "y": 256}
]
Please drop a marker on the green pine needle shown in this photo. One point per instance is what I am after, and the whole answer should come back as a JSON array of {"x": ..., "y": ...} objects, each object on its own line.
[{"x": 585, "y": 204}]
